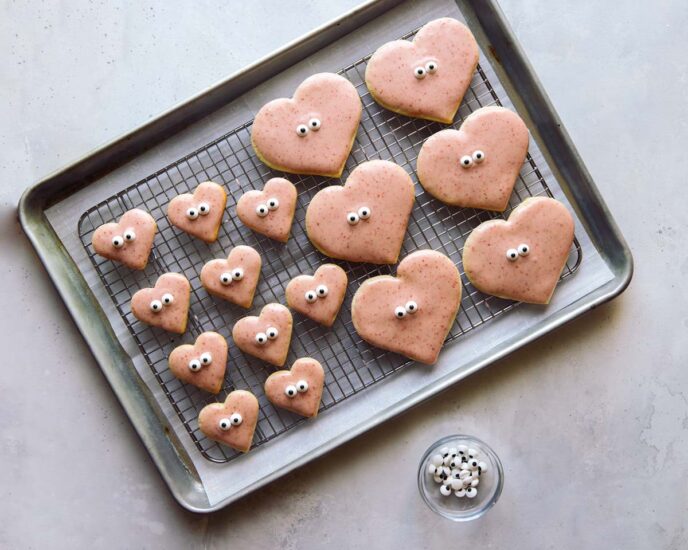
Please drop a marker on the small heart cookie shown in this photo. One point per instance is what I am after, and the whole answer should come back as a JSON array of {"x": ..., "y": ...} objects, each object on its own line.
[
  {"x": 411, "y": 313},
  {"x": 202, "y": 363},
  {"x": 311, "y": 133},
  {"x": 166, "y": 305},
  {"x": 475, "y": 166},
  {"x": 128, "y": 241},
  {"x": 426, "y": 78},
  {"x": 266, "y": 336},
  {"x": 521, "y": 258},
  {"x": 234, "y": 279},
  {"x": 319, "y": 296},
  {"x": 270, "y": 211},
  {"x": 365, "y": 220},
  {"x": 199, "y": 214},
  {"x": 232, "y": 422},
  {"x": 298, "y": 390}
]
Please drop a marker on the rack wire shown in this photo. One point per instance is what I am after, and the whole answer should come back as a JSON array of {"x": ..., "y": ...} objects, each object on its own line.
[{"x": 351, "y": 365}]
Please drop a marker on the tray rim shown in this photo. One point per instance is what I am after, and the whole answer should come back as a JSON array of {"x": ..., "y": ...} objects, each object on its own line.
[{"x": 145, "y": 414}]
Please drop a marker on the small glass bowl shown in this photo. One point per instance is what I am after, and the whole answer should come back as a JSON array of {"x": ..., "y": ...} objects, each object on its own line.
[{"x": 453, "y": 507}]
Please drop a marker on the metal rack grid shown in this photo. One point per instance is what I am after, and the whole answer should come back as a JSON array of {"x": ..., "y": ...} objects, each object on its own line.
[{"x": 351, "y": 365}]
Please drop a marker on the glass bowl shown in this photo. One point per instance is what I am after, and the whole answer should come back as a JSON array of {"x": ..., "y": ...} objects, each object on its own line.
[{"x": 453, "y": 507}]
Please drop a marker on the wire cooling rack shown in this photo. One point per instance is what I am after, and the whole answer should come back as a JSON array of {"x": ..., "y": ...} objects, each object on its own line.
[{"x": 351, "y": 365}]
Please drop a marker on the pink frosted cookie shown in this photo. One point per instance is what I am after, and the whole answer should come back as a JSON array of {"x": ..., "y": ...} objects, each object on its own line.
[
  {"x": 411, "y": 313},
  {"x": 475, "y": 166},
  {"x": 311, "y": 133},
  {"x": 319, "y": 296},
  {"x": 128, "y": 241},
  {"x": 270, "y": 211},
  {"x": 199, "y": 214},
  {"x": 166, "y": 305},
  {"x": 232, "y": 422},
  {"x": 203, "y": 363},
  {"x": 266, "y": 336},
  {"x": 234, "y": 279},
  {"x": 428, "y": 77},
  {"x": 522, "y": 258},
  {"x": 298, "y": 390},
  {"x": 365, "y": 220}
]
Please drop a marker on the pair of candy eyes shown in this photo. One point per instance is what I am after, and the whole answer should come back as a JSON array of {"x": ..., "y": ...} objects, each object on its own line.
[
  {"x": 430, "y": 68},
  {"x": 513, "y": 253},
  {"x": 264, "y": 209},
  {"x": 354, "y": 217},
  {"x": 226, "y": 423},
  {"x": 468, "y": 160},
  {"x": 128, "y": 237},
  {"x": 320, "y": 292},
  {"x": 292, "y": 389},
  {"x": 270, "y": 334},
  {"x": 236, "y": 275},
  {"x": 166, "y": 300},
  {"x": 203, "y": 361},
  {"x": 313, "y": 124},
  {"x": 202, "y": 210},
  {"x": 402, "y": 311}
]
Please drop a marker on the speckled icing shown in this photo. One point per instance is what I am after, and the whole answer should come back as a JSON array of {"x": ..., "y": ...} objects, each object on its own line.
[
  {"x": 203, "y": 227},
  {"x": 304, "y": 403},
  {"x": 327, "y": 97},
  {"x": 133, "y": 254},
  {"x": 238, "y": 437},
  {"x": 322, "y": 310},
  {"x": 392, "y": 82},
  {"x": 276, "y": 224},
  {"x": 209, "y": 377},
  {"x": 502, "y": 138},
  {"x": 383, "y": 187},
  {"x": 546, "y": 226},
  {"x": 429, "y": 279},
  {"x": 238, "y": 292},
  {"x": 273, "y": 351},
  {"x": 172, "y": 317}
]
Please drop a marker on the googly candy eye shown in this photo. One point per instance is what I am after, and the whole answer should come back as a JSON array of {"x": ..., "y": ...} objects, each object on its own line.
[
  {"x": 156, "y": 306},
  {"x": 352, "y": 218},
  {"x": 272, "y": 333},
  {"x": 456, "y": 484},
  {"x": 460, "y": 493},
  {"x": 523, "y": 249},
  {"x": 167, "y": 299},
  {"x": 206, "y": 358},
  {"x": 364, "y": 212},
  {"x": 192, "y": 213},
  {"x": 262, "y": 210},
  {"x": 226, "y": 278},
  {"x": 472, "y": 453},
  {"x": 445, "y": 490},
  {"x": 478, "y": 156},
  {"x": 261, "y": 338},
  {"x": 412, "y": 307},
  {"x": 314, "y": 124},
  {"x": 321, "y": 291},
  {"x": 436, "y": 460},
  {"x": 302, "y": 386},
  {"x": 301, "y": 130},
  {"x": 236, "y": 419},
  {"x": 419, "y": 72},
  {"x": 129, "y": 235},
  {"x": 194, "y": 365},
  {"x": 466, "y": 161},
  {"x": 431, "y": 67},
  {"x": 462, "y": 449},
  {"x": 512, "y": 254},
  {"x": 400, "y": 312},
  {"x": 237, "y": 274},
  {"x": 311, "y": 296},
  {"x": 204, "y": 209},
  {"x": 290, "y": 390},
  {"x": 432, "y": 469},
  {"x": 224, "y": 424},
  {"x": 273, "y": 204},
  {"x": 471, "y": 492},
  {"x": 482, "y": 467},
  {"x": 117, "y": 241}
]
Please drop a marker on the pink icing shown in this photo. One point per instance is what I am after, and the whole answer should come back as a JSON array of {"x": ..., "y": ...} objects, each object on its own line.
[
  {"x": 238, "y": 437},
  {"x": 273, "y": 351},
  {"x": 546, "y": 226},
  {"x": 322, "y": 310},
  {"x": 210, "y": 377},
  {"x": 277, "y": 223},
  {"x": 390, "y": 71},
  {"x": 132, "y": 254},
  {"x": 306, "y": 403},
  {"x": 172, "y": 317},
  {"x": 204, "y": 227},
  {"x": 503, "y": 138},
  {"x": 238, "y": 292}
]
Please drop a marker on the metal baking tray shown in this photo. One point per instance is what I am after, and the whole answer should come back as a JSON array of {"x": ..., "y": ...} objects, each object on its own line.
[{"x": 162, "y": 409}]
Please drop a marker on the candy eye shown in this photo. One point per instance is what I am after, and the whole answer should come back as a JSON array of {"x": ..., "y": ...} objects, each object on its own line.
[
  {"x": 203, "y": 209},
  {"x": 301, "y": 130},
  {"x": 314, "y": 124},
  {"x": 156, "y": 306},
  {"x": 523, "y": 249},
  {"x": 167, "y": 299},
  {"x": 364, "y": 212},
  {"x": 411, "y": 306},
  {"x": 478, "y": 156},
  {"x": 194, "y": 365},
  {"x": 301, "y": 386},
  {"x": 400, "y": 312},
  {"x": 236, "y": 419},
  {"x": 237, "y": 274},
  {"x": 419, "y": 72},
  {"x": 272, "y": 333},
  {"x": 466, "y": 161},
  {"x": 262, "y": 210},
  {"x": 224, "y": 424},
  {"x": 431, "y": 67},
  {"x": 192, "y": 213},
  {"x": 311, "y": 296},
  {"x": 290, "y": 391},
  {"x": 321, "y": 291},
  {"x": 206, "y": 358},
  {"x": 117, "y": 241},
  {"x": 352, "y": 218},
  {"x": 129, "y": 235},
  {"x": 512, "y": 254},
  {"x": 273, "y": 204},
  {"x": 261, "y": 338},
  {"x": 226, "y": 278}
]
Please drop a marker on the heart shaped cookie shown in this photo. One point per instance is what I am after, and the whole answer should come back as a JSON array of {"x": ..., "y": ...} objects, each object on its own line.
[
  {"x": 128, "y": 241},
  {"x": 199, "y": 214},
  {"x": 234, "y": 279},
  {"x": 365, "y": 220},
  {"x": 166, "y": 305},
  {"x": 521, "y": 258},
  {"x": 428, "y": 77},
  {"x": 319, "y": 296},
  {"x": 298, "y": 390},
  {"x": 411, "y": 313},
  {"x": 267, "y": 336},
  {"x": 270, "y": 211},
  {"x": 475, "y": 166},
  {"x": 232, "y": 422},
  {"x": 311, "y": 133},
  {"x": 202, "y": 363}
]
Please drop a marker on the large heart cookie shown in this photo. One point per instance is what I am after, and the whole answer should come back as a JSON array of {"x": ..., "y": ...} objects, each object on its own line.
[
  {"x": 234, "y": 279},
  {"x": 203, "y": 363},
  {"x": 411, "y": 313},
  {"x": 166, "y": 305},
  {"x": 128, "y": 241},
  {"x": 522, "y": 258},
  {"x": 311, "y": 133},
  {"x": 298, "y": 390},
  {"x": 318, "y": 296},
  {"x": 270, "y": 211},
  {"x": 428, "y": 77},
  {"x": 199, "y": 214},
  {"x": 366, "y": 219},
  {"x": 266, "y": 336},
  {"x": 232, "y": 422},
  {"x": 475, "y": 166}
]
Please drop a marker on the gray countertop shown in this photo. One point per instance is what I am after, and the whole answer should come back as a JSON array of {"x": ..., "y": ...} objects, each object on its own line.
[{"x": 590, "y": 422}]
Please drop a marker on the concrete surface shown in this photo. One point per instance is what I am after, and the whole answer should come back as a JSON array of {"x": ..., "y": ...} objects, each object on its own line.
[{"x": 591, "y": 423}]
